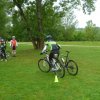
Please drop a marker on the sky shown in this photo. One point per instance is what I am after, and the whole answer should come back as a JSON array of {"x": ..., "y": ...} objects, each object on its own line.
[
  {"x": 95, "y": 16},
  {"x": 83, "y": 18}
]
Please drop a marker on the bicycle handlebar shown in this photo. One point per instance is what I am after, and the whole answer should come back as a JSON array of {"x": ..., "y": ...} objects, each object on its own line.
[{"x": 45, "y": 52}]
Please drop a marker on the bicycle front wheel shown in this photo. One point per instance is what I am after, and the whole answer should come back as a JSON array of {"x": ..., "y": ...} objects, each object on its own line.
[
  {"x": 43, "y": 65},
  {"x": 60, "y": 69},
  {"x": 72, "y": 67}
]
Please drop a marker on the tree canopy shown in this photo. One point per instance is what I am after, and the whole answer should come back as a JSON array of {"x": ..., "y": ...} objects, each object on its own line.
[{"x": 32, "y": 20}]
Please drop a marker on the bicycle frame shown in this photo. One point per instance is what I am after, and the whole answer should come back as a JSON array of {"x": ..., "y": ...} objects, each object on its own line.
[
  {"x": 67, "y": 57},
  {"x": 69, "y": 64}
]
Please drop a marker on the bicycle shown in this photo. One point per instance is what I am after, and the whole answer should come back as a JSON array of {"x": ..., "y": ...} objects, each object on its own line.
[
  {"x": 45, "y": 65},
  {"x": 70, "y": 65}
]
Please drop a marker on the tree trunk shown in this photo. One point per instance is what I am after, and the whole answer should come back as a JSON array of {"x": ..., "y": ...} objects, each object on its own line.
[
  {"x": 37, "y": 42},
  {"x": 24, "y": 18},
  {"x": 40, "y": 25}
]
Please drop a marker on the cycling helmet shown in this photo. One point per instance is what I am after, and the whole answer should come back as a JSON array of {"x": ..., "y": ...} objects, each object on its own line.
[
  {"x": 13, "y": 37},
  {"x": 48, "y": 37},
  {"x": 2, "y": 40}
]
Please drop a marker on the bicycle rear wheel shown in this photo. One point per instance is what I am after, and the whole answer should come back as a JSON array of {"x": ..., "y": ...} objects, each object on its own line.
[
  {"x": 60, "y": 69},
  {"x": 72, "y": 67},
  {"x": 43, "y": 65}
]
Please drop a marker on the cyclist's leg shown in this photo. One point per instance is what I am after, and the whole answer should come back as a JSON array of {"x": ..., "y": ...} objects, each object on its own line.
[
  {"x": 13, "y": 51},
  {"x": 5, "y": 55},
  {"x": 53, "y": 59},
  {"x": 50, "y": 57},
  {"x": 56, "y": 54},
  {"x": 2, "y": 55}
]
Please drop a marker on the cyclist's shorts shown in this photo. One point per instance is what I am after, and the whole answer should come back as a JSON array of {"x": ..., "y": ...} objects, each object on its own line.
[{"x": 14, "y": 48}]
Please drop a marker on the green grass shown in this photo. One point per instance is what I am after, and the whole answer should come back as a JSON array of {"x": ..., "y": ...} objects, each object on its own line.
[{"x": 20, "y": 78}]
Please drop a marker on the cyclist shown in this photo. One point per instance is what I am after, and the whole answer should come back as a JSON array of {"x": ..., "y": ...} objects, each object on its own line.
[
  {"x": 51, "y": 46},
  {"x": 13, "y": 44},
  {"x": 2, "y": 50}
]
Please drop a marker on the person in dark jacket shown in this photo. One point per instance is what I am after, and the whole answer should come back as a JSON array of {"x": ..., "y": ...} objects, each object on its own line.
[
  {"x": 3, "y": 50},
  {"x": 51, "y": 46}
]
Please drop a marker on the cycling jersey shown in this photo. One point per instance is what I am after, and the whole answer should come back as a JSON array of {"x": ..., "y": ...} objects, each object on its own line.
[
  {"x": 3, "y": 46},
  {"x": 51, "y": 45},
  {"x": 13, "y": 43}
]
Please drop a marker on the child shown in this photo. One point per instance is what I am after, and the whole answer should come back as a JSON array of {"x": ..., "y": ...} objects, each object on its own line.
[{"x": 13, "y": 44}]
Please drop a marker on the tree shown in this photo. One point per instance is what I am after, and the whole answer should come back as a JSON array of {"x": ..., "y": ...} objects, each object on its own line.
[
  {"x": 18, "y": 29},
  {"x": 79, "y": 35},
  {"x": 46, "y": 16},
  {"x": 3, "y": 17},
  {"x": 69, "y": 22},
  {"x": 90, "y": 30},
  {"x": 37, "y": 41}
]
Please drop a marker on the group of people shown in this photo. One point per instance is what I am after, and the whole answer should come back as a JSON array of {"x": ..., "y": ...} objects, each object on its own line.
[
  {"x": 3, "y": 45},
  {"x": 50, "y": 45}
]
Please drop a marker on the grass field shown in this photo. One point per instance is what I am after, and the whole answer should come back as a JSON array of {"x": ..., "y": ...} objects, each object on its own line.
[{"x": 20, "y": 78}]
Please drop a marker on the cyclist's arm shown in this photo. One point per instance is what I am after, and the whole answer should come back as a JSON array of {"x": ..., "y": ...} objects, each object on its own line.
[
  {"x": 10, "y": 43},
  {"x": 58, "y": 46},
  {"x": 44, "y": 49}
]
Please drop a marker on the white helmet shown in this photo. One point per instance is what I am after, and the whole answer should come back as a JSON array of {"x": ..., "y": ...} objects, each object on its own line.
[{"x": 13, "y": 37}]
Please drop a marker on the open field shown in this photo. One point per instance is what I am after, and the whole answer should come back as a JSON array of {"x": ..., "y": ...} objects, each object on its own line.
[{"x": 20, "y": 78}]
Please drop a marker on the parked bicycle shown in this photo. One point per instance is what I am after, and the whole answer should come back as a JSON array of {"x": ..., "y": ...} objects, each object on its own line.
[
  {"x": 70, "y": 65},
  {"x": 45, "y": 65}
]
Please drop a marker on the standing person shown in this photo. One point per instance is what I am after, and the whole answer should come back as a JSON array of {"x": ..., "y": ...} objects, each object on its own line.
[
  {"x": 0, "y": 40},
  {"x": 13, "y": 44},
  {"x": 52, "y": 47},
  {"x": 2, "y": 50}
]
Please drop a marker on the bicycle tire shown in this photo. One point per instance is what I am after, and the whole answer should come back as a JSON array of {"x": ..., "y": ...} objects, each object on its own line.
[
  {"x": 72, "y": 67},
  {"x": 61, "y": 71},
  {"x": 43, "y": 65}
]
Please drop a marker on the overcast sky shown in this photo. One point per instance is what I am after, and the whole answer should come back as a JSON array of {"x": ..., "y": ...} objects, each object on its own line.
[
  {"x": 95, "y": 16},
  {"x": 82, "y": 18}
]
